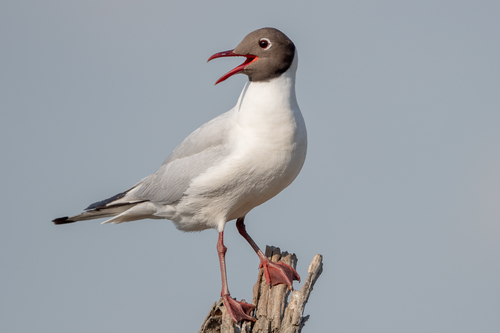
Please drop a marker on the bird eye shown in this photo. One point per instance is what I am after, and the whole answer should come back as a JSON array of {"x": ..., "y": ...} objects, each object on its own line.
[{"x": 265, "y": 43}]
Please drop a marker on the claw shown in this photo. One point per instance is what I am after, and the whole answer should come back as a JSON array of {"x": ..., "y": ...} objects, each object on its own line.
[
  {"x": 238, "y": 310},
  {"x": 279, "y": 273}
]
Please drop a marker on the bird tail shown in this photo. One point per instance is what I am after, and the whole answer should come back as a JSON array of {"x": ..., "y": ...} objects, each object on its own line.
[
  {"x": 108, "y": 211},
  {"x": 119, "y": 207}
]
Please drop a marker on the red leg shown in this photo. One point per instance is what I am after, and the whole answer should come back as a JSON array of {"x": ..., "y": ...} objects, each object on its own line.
[
  {"x": 275, "y": 272},
  {"x": 237, "y": 310}
]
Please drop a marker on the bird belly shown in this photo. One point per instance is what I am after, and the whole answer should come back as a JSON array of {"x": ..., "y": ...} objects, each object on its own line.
[{"x": 237, "y": 185}]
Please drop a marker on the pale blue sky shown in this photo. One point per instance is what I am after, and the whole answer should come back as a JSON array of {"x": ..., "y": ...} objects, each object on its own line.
[{"x": 400, "y": 191}]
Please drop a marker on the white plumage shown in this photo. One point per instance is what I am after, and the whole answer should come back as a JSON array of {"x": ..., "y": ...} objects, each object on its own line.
[{"x": 229, "y": 165}]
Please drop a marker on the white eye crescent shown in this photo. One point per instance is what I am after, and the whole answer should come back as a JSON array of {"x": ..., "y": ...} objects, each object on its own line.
[{"x": 265, "y": 43}]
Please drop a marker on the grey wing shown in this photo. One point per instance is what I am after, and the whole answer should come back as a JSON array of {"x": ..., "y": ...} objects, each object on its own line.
[{"x": 202, "y": 149}]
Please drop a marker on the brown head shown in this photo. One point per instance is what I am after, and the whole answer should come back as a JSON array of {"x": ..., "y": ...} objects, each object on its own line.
[{"x": 269, "y": 53}]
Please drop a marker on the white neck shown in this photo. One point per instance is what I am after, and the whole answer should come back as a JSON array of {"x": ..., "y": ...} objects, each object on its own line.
[{"x": 271, "y": 102}]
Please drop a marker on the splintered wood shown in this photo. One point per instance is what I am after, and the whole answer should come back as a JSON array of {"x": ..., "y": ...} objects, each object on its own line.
[{"x": 274, "y": 313}]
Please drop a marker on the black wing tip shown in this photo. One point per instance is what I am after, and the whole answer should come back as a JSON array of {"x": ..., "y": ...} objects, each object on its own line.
[
  {"x": 62, "y": 220},
  {"x": 100, "y": 204}
]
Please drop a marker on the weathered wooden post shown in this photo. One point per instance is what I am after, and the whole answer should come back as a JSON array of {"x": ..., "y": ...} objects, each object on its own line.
[{"x": 274, "y": 313}]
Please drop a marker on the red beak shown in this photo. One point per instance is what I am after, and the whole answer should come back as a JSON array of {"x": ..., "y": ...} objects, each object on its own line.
[{"x": 250, "y": 58}]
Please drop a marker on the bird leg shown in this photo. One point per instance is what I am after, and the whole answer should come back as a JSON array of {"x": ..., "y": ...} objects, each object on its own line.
[
  {"x": 237, "y": 310},
  {"x": 275, "y": 272}
]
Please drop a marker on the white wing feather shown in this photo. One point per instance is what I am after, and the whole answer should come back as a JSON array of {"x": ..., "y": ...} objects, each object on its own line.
[{"x": 202, "y": 149}]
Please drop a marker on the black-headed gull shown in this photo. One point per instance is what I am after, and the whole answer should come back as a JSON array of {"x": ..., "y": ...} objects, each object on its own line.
[{"x": 231, "y": 164}]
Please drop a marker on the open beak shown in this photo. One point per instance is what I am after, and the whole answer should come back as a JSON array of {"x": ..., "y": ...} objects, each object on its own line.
[{"x": 250, "y": 58}]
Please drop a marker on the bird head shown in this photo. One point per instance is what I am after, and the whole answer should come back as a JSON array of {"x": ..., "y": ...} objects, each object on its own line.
[{"x": 268, "y": 52}]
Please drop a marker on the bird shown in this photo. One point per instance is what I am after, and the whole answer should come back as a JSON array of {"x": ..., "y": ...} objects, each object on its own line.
[{"x": 231, "y": 164}]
